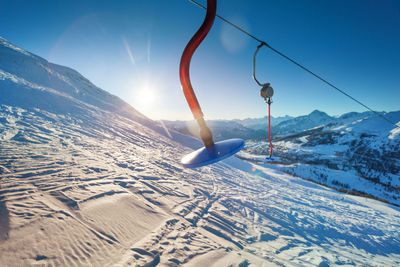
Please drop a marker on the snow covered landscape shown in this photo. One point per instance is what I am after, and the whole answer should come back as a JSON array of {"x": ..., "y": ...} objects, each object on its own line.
[
  {"x": 357, "y": 153},
  {"x": 86, "y": 180}
]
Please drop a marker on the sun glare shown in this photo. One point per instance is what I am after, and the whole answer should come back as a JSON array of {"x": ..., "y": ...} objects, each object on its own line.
[{"x": 145, "y": 97}]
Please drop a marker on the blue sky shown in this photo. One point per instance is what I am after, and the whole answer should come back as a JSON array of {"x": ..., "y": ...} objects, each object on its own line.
[{"x": 132, "y": 49}]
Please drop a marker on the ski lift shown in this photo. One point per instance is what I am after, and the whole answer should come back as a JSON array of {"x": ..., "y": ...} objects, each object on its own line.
[
  {"x": 211, "y": 152},
  {"x": 266, "y": 92}
]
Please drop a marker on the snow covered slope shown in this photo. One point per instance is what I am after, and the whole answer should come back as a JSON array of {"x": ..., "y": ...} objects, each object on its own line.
[
  {"x": 86, "y": 183},
  {"x": 56, "y": 88}
]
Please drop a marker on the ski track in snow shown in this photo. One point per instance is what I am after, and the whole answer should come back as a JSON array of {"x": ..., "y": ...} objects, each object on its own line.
[{"x": 105, "y": 190}]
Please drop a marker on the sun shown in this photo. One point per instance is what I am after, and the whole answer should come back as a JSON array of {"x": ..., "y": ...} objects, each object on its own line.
[{"x": 145, "y": 96}]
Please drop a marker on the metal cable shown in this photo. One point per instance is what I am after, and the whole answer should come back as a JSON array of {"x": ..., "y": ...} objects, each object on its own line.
[{"x": 298, "y": 64}]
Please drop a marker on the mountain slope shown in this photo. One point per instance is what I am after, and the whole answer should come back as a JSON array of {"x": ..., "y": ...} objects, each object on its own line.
[
  {"x": 85, "y": 183},
  {"x": 59, "y": 89}
]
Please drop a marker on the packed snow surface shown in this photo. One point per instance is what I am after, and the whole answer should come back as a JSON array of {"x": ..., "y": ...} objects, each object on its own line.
[
  {"x": 89, "y": 183},
  {"x": 106, "y": 189}
]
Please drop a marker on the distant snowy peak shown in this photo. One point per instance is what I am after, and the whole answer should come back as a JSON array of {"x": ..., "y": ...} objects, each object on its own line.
[
  {"x": 301, "y": 123},
  {"x": 30, "y": 81},
  {"x": 319, "y": 115}
]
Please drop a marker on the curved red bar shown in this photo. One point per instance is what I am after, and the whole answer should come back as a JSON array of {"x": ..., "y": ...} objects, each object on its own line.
[{"x": 187, "y": 56}]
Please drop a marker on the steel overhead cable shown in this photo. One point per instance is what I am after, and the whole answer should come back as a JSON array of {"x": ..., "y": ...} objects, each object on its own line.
[{"x": 297, "y": 64}]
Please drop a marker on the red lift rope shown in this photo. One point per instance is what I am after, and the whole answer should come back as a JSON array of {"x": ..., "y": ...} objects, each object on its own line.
[
  {"x": 266, "y": 92},
  {"x": 269, "y": 129}
]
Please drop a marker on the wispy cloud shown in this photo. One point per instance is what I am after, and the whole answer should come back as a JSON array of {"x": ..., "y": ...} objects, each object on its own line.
[
  {"x": 128, "y": 49},
  {"x": 148, "y": 48}
]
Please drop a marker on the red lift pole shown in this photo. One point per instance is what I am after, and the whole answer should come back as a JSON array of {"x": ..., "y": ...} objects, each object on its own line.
[{"x": 190, "y": 48}]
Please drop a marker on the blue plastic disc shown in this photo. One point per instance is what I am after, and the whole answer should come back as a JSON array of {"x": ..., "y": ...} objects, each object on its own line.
[{"x": 208, "y": 155}]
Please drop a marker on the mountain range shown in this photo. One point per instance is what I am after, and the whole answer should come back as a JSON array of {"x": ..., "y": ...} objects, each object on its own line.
[
  {"x": 358, "y": 153},
  {"x": 257, "y": 128}
]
